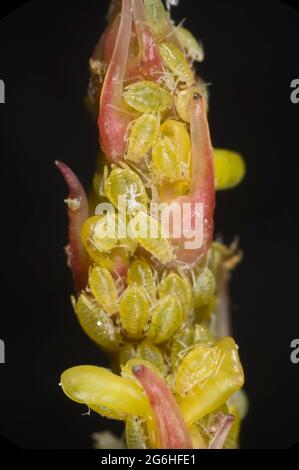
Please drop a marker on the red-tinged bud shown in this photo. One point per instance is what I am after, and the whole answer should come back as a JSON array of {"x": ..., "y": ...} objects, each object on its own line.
[
  {"x": 78, "y": 259},
  {"x": 202, "y": 189},
  {"x": 172, "y": 430},
  {"x": 113, "y": 122}
]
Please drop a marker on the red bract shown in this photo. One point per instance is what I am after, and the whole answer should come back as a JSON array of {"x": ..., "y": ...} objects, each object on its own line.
[
  {"x": 78, "y": 213},
  {"x": 172, "y": 430},
  {"x": 113, "y": 122},
  {"x": 202, "y": 189}
]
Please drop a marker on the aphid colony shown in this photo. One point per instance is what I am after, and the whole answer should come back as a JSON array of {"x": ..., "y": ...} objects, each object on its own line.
[
  {"x": 154, "y": 315},
  {"x": 142, "y": 307}
]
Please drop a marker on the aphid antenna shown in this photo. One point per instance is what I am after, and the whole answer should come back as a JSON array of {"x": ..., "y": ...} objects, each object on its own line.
[{"x": 175, "y": 28}]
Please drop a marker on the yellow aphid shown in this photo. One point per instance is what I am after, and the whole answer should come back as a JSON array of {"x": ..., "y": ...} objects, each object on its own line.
[
  {"x": 143, "y": 136},
  {"x": 204, "y": 287},
  {"x": 183, "y": 100},
  {"x": 135, "y": 434},
  {"x": 180, "y": 345},
  {"x": 97, "y": 387},
  {"x": 230, "y": 169},
  {"x": 175, "y": 284},
  {"x": 99, "y": 234},
  {"x": 134, "y": 310},
  {"x": 197, "y": 366},
  {"x": 127, "y": 353},
  {"x": 176, "y": 131},
  {"x": 167, "y": 318},
  {"x": 193, "y": 48},
  {"x": 87, "y": 239},
  {"x": 215, "y": 391},
  {"x": 152, "y": 353},
  {"x": 166, "y": 160},
  {"x": 128, "y": 186},
  {"x": 156, "y": 17},
  {"x": 175, "y": 60},
  {"x": 141, "y": 273},
  {"x": 147, "y": 97},
  {"x": 97, "y": 324},
  {"x": 104, "y": 290},
  {"x": 149, "y": 233}
]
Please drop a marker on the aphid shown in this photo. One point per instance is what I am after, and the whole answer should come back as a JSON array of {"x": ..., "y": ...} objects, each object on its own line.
[
  {"x": 156, "y": 17},
  {"x": 166, "y": 160},
  {"x": 104, "y": 290},
  {"x": 97, "y": 324},
  {"x": 176, "y": 131},
  {"x": 100, "y": 233},
  {"x": 167, "y": 318},
  {"x": 144, "y": 134},
  {"x": 134, "y": 310},
  {"x": 147, "y": 97},
  {"x": 209, "y": 395},
  {"x": 175, "y": 60},
  {"x": 197, "y": 366},
  {"x": 204, "y": 287},
  {"x": 181, "y": 343},
  {"x": 149, "y": 233},
  {"x": 127, "y": 353},
  {"x": 193, "y": 48},
  {"x": 175, "y": 284},
  {"x": 135, "y": 434},
  {"x": 230, "y": 169},
  {"x": 183, "y": 100},
  {"x": 126, "y": 184},
  {"x": 141, "y": 273},
  {"x": 151, "y": 353}
]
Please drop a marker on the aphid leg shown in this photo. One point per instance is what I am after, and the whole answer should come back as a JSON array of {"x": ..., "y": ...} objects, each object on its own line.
[
  {"x": 112, "y": 124},
  {"x": 78, "y": 213},
  {"x": 172, "y": 430}
]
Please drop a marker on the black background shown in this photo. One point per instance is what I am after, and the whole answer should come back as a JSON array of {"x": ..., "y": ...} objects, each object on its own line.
[{"x": 251, "y": 58}]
